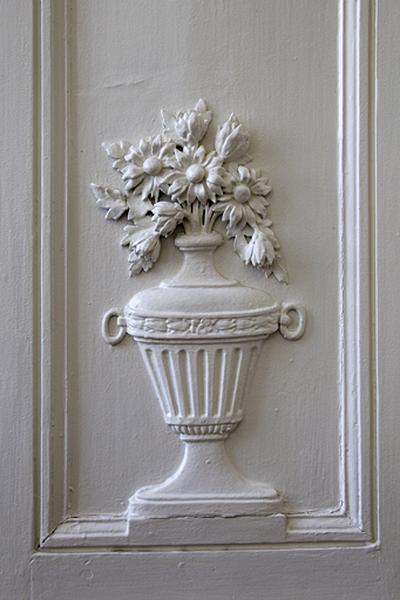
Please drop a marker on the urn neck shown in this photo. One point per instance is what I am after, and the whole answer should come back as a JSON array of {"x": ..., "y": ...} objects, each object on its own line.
[{"x": 198, "y": 268}]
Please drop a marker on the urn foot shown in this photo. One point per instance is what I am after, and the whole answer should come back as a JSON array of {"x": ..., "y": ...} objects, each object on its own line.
[{"x": 205, "y": 484}]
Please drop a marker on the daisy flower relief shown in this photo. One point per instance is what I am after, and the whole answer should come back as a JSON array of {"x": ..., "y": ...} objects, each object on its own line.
[
  {"x": 146, "y": 167},
  {"x": 171, "y": 181},
  {"x": 195, "y": 175},
  {"x": 244, "y": 201}
]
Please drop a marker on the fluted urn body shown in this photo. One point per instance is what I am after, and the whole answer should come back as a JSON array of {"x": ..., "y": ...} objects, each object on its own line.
[{"x": 200, "y": 336}]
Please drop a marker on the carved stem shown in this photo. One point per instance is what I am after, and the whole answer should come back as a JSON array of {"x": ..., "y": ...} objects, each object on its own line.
[{"x": 199, "y": 219}]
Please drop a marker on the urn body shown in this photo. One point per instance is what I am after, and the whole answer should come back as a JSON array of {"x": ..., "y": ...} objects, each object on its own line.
[{"x": 200, "y": 336}]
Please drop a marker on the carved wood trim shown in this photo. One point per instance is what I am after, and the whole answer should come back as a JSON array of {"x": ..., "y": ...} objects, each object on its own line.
[{"x": 356, "y": 519}]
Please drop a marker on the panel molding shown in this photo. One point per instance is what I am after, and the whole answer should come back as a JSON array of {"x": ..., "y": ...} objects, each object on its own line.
[
  {"x": 53, "y": 142},
  {"x": 355, "y": 521},
  {"x": 216, "y": 532}
]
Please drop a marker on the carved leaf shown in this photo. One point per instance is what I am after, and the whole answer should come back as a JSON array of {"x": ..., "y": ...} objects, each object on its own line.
[
  {"x": 201, "y": 106},
  {"x": 135, "y": 234},
  {"x": 168, "y": 121},
  {"x": 117, "y": 152},
  {"x": 240, "y": 245},
  {"x": 116, "y": 149},
  {"x": 138, "y": 208},
  {"x": 112, "y": 200},
  {"x": 138, "y": 263},
  {"x": 279, "y": 272}
]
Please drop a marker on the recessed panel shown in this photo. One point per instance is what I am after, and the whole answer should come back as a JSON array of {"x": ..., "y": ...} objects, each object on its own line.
[{"x": 128, "y": 59}]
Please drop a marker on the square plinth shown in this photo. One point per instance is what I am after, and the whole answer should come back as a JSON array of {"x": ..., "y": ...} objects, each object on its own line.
[{"x": 207, "y": 530}]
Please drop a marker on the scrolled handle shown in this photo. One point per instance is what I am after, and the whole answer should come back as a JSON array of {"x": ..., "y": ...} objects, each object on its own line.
[
  {"x": 285, "y": 321},
  {"x": 120, "y": 331}
]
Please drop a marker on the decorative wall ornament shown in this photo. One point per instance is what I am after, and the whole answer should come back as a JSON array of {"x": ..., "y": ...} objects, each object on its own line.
[
  {"x": 199, "y": 333},
  {"x": 172, "y": 180}
]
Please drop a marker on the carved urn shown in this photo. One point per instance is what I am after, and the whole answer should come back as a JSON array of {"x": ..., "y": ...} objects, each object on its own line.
[
  {"x": 199, "y": 333},
  {"x": 200, "y": 336}
]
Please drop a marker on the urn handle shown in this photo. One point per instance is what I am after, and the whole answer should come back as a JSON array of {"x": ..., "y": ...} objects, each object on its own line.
[
  {"x": 113, "y": 338},
  {"x": 286, "y": 320}
]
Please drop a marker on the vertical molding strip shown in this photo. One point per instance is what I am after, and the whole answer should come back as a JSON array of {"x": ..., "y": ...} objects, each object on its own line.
[
  {"x": 358, "y": 224},
  {"x": 52, "y": 259}
]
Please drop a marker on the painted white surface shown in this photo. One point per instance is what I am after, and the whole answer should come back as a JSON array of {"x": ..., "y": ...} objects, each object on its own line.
[
  {"x": 199, "y": 333},
  {"x": 18, "y": 305},
  {"x": 284, "y": 83},
  {"x": 294, "y": 142}
]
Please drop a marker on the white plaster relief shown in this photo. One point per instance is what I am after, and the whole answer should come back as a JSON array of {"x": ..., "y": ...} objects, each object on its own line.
[
  {"x": 199, "y": 333},
  {"x": 171, "y": 179},
  {"x": 120, "y": 330}
]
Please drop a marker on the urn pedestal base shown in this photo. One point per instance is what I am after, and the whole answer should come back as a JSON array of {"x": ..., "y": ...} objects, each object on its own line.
[
  {"x": 201, "y": 531},
  {"x": 206, "y": 484}
]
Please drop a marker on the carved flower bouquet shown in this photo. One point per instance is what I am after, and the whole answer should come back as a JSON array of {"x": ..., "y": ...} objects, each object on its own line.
[{"x": 171, "y": 180}]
